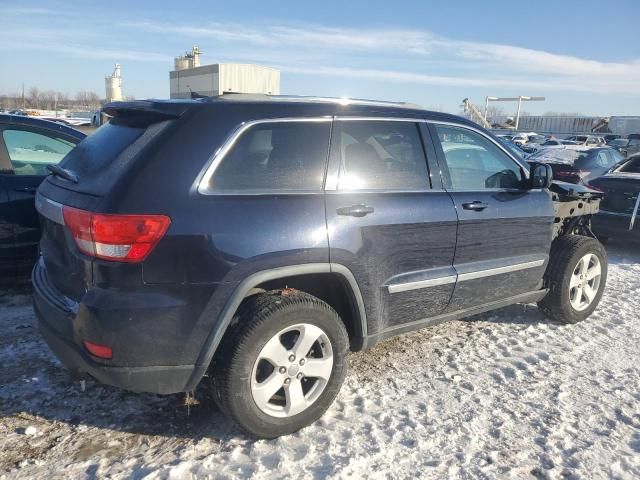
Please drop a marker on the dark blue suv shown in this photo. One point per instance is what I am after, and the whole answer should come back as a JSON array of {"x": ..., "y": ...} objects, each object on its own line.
[{"x": 259, "y": 239}]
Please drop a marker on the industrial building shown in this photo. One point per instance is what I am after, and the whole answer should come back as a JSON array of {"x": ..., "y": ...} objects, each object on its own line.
[{"x": 190, "y": 77}]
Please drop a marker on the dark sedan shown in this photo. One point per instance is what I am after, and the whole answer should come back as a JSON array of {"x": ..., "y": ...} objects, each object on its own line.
[
  {"x": 577, "y": 164},
  {"x": 27, "y": 146},
  {"x": 618, "y": 216}
]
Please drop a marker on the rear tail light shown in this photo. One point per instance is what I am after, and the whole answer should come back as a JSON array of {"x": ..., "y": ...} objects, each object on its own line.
[
  {"x": 122, "y": 238},
  {"x": 100, "y": 351}
]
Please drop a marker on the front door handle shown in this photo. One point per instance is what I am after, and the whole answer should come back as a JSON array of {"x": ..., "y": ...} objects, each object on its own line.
[
  {"x": 26, "y": 189},
  {"x": 475, "y": 206},
  {"x": 355, "y": 210}
]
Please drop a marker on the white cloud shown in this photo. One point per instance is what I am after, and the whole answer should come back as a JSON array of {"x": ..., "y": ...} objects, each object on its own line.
[
  {"x": 492, "y": 64},
  {"x": 381, "y": 54},
  {"x": 88, "y": 52}
]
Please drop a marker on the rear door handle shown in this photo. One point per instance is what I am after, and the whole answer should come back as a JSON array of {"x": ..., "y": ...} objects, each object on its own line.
[
  {"x": 475, "y": 206},
  {"x": 26, "y": 189},
  {"x": 355, "y": 210}
]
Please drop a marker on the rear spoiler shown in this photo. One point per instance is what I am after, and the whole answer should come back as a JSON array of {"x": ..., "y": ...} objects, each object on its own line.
[{"x": 159, "y": 110}]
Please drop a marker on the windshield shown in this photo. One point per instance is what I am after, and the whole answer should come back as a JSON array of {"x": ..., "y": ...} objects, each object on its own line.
[{"x": 536, "y": 139}]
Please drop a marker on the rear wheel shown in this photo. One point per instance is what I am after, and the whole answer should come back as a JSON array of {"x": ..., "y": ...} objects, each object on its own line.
[
  {"x": 283, "y": 365},
  {"x": 576, "y": 277}
]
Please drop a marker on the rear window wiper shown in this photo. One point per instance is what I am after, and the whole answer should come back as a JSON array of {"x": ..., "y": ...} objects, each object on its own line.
[{"x": 63, "y": 173}]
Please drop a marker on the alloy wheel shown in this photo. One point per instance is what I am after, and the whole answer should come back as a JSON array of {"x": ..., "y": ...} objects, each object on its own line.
[
  {"x": 585, "y": 282},
  {"x": 292, "y": 370}
]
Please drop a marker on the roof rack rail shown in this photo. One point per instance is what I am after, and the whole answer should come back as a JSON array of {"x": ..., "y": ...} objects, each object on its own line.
[{"x": 305, "y": 98}]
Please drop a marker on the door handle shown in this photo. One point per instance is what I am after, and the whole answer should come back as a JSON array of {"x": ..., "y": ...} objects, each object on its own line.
[
  {"x": 475, "y": 206},
  {"x": 355, "y": 210},
  {"x": 26, "y": 189}
]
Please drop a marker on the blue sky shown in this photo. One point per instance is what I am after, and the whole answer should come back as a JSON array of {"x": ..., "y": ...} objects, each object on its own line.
[{"x": 584, "y": 56}]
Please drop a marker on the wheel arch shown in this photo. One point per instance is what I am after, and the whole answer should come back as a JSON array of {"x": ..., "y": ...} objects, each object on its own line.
[{"x": 293, "y": 276}]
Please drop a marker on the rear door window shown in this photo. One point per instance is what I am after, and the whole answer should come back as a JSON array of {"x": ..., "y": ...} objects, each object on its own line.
[
  {"x": 31, "y": 152},
  {"x": 275, "y": 156},
  {"x": 380, "y": 155}
]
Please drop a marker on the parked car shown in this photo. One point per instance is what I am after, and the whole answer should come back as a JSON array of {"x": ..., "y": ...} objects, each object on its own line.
[
  {"x": 619, "y": 144},
  {"x": 576, "y": 164},
  {"x": 258, "y": 239},
  {"x": 618, "y": 216},
  {"x": 522, "y": 138},
  {"x": 557, "y": 143},
  {"x": 533, "y": 143},
  {"x": 587, "y": 140},
  {"x": 610, "y": 137},
  {"x": 27, "y": 146},
  {"x": 633, "y": 146}
]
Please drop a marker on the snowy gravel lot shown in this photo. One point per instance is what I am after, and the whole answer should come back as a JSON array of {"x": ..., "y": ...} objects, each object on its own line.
[{"x": 502, "y": 395}]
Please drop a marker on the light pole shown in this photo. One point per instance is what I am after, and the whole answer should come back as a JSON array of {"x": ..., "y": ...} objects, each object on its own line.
[{"x": 520, "y": 99}]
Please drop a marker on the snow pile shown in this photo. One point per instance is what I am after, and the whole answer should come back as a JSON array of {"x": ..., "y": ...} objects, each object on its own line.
[{"x": 505, "y": 394}]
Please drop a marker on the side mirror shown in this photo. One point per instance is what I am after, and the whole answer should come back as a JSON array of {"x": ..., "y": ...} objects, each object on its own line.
[{"x": 541, "y": 175}]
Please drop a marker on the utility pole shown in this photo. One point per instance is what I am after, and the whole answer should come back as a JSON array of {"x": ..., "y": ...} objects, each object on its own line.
[{"x": 23, "y": 107}]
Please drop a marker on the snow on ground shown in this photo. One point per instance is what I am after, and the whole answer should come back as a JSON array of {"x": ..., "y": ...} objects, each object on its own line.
[{"x": 505, "y": 394}]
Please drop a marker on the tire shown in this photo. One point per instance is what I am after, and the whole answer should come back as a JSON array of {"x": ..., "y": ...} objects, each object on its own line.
[
  {"x": 569, "y": 302},
  {"x": 273, "y": 324}
]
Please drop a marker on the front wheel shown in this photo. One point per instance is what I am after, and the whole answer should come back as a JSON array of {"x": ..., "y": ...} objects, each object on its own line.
[
  {"x": 576, "y": 277},
  {"x": 282, "y": 367}
]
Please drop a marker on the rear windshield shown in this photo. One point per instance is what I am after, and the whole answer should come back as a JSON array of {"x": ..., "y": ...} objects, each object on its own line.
[
  {"x": 100, "y": 148},
  {"x": 631, "y": 166},
  {"x": 103, "y": 157}
]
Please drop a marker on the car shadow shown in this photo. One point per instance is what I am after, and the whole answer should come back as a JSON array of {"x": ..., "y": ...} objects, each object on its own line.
[
  {"x": 518, "y": 314},
  {"x": 37, "y": 388}
]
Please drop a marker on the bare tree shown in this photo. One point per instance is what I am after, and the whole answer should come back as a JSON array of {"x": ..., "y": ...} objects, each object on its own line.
[
  {"x": 51, "y": 100},
  {"x": 33, "y": 98},
  {"x": 93, "y": 100},
  {"x": 494, "y": 112}
]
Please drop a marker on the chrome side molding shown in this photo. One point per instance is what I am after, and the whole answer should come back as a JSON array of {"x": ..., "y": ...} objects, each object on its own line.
[{"x": 461, "y": 277}]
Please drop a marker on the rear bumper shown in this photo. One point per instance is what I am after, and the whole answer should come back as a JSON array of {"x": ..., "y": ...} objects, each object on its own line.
[
  {"x": 61, "y": 324},
  {"x": 615, "y": 225}
]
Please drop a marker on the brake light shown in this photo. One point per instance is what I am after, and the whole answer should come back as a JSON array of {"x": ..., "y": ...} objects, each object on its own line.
[
  {"x": 122, "y": 238},
  {"x": 100, "y": 351}
]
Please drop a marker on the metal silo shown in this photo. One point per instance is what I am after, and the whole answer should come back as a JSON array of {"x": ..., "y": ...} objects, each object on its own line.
[{"x": 113, "y": 85}]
